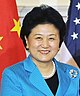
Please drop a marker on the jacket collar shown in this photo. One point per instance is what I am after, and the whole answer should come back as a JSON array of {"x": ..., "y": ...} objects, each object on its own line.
[
  {"x": 63, "y": 74},
  {"x": 29, "y": 64}
]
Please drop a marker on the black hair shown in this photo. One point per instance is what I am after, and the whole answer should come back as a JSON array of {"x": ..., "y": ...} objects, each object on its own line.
[{"x": 42, "y": 15}]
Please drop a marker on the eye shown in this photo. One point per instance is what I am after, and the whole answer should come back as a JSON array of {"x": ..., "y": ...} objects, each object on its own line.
[
  {"x": 38, "y": 38},
  {"x": 51, "y": 38}
]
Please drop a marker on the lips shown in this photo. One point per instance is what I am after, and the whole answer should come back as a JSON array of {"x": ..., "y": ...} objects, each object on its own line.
[{"x": 44, "y": 51}]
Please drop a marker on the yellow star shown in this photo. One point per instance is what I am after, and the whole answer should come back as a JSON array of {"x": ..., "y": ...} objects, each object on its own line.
[
  {"x": 17, "y": 27},
  {"x": 0, "y": 40}
]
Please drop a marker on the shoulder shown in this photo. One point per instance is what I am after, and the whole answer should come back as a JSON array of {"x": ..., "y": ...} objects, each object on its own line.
[
  {"x": 12, "y": 78},
  {"x": 64, "y": 65},
  {"x": 67, "y": 66},
  {"x": 69, "y": 70},
  {"x": 14, "y": 69}
]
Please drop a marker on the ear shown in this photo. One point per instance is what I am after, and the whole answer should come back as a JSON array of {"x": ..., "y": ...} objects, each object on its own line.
[{"x": 27, "y": 45}]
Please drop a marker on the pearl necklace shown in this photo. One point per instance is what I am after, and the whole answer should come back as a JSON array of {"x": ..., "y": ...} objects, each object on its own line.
[{"x": 53, "y": 72}]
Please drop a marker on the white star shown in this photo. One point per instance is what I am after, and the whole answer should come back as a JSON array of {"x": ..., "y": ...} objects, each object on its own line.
[
  {"x": 74, "y": 36},
  {"x": 78, "y": 6},
  {"x": 77, "y": 21}
]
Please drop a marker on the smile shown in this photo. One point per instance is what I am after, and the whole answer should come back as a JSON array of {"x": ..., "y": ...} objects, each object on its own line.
[{"x": 44, "y": 51}]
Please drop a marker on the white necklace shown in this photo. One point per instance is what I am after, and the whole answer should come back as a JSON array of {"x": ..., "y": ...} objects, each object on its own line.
[{"x": 53, "y": 72}]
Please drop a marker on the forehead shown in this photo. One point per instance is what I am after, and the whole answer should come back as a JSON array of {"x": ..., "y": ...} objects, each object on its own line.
[{"x": 45, "y": 29}]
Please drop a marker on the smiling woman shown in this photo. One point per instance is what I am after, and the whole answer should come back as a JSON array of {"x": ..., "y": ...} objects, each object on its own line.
[
  {"x": 43, "y": 42},
  {"x": 40, "y": 74}
]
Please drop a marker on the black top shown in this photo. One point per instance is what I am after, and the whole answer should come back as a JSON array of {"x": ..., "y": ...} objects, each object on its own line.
[{"x": 53, "y": 83}]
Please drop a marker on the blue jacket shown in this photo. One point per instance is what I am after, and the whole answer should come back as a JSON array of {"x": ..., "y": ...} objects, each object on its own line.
[{"x": 24, "y": 79}]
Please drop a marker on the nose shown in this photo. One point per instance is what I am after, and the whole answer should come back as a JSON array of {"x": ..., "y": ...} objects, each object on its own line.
[{"x": 45, "y": 43}]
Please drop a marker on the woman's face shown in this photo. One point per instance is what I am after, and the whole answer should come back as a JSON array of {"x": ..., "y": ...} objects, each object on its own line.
[{"x": 43, "y": 42}]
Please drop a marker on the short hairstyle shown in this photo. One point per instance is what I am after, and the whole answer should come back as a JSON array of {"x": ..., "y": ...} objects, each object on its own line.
[{"x": 42, "y": 15}]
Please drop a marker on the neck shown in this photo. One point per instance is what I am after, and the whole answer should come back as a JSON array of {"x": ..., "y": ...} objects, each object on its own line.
[{"x": 45, "y": 68}]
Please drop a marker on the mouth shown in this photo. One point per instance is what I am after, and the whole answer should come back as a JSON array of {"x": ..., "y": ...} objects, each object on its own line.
[{"x": 44, "y": 51}]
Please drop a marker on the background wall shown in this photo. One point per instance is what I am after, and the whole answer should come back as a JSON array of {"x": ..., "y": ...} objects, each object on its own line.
[{"x": 38, "y": 2}]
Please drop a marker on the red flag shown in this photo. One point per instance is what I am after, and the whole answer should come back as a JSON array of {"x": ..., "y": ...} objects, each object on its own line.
[{"x": 11, "y": 47}]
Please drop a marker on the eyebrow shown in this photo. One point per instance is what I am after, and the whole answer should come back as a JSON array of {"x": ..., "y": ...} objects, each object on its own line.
[
  {"x": 38, "y": 34},
  {"x": 49, "y": 34},
  {"x": 52, "y": 35}
]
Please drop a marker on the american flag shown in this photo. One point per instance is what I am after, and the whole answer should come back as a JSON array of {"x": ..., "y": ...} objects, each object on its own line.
[{"x": 70, "y": 49}]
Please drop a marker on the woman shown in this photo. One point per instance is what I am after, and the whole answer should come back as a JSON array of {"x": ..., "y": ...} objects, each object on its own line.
[{"x": 41, "y": 74}]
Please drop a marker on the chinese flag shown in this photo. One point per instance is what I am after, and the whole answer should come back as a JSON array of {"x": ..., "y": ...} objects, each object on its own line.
[{"x": 11, "y": 47}]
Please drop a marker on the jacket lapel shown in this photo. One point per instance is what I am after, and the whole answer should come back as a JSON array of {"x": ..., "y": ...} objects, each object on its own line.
[
  {"x": 64, "y": 83},
  {"x": 74, "y": 85},
  {"x": 67, "y": 84},
  {"x": 38, "y": 81},
  {"x": 36, "y": 78}
]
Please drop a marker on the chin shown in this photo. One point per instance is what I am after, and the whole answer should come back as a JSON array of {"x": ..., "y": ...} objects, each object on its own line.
[{"x": 45, "y": 60}]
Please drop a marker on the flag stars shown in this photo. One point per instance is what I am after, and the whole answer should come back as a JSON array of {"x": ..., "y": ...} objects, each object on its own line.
[
  {"x": 74, "y": 35},
  {"x": 17, "y": 27},
  {"x": 0, "y": 40},
  {"x": 77, "y": 21},
  {"x": 78, "y": 5}
]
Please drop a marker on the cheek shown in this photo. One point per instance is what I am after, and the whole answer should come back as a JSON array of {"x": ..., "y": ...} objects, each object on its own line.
[
  {"x": 55, "y": 44},
  {"x": 33, "y": 44}
]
